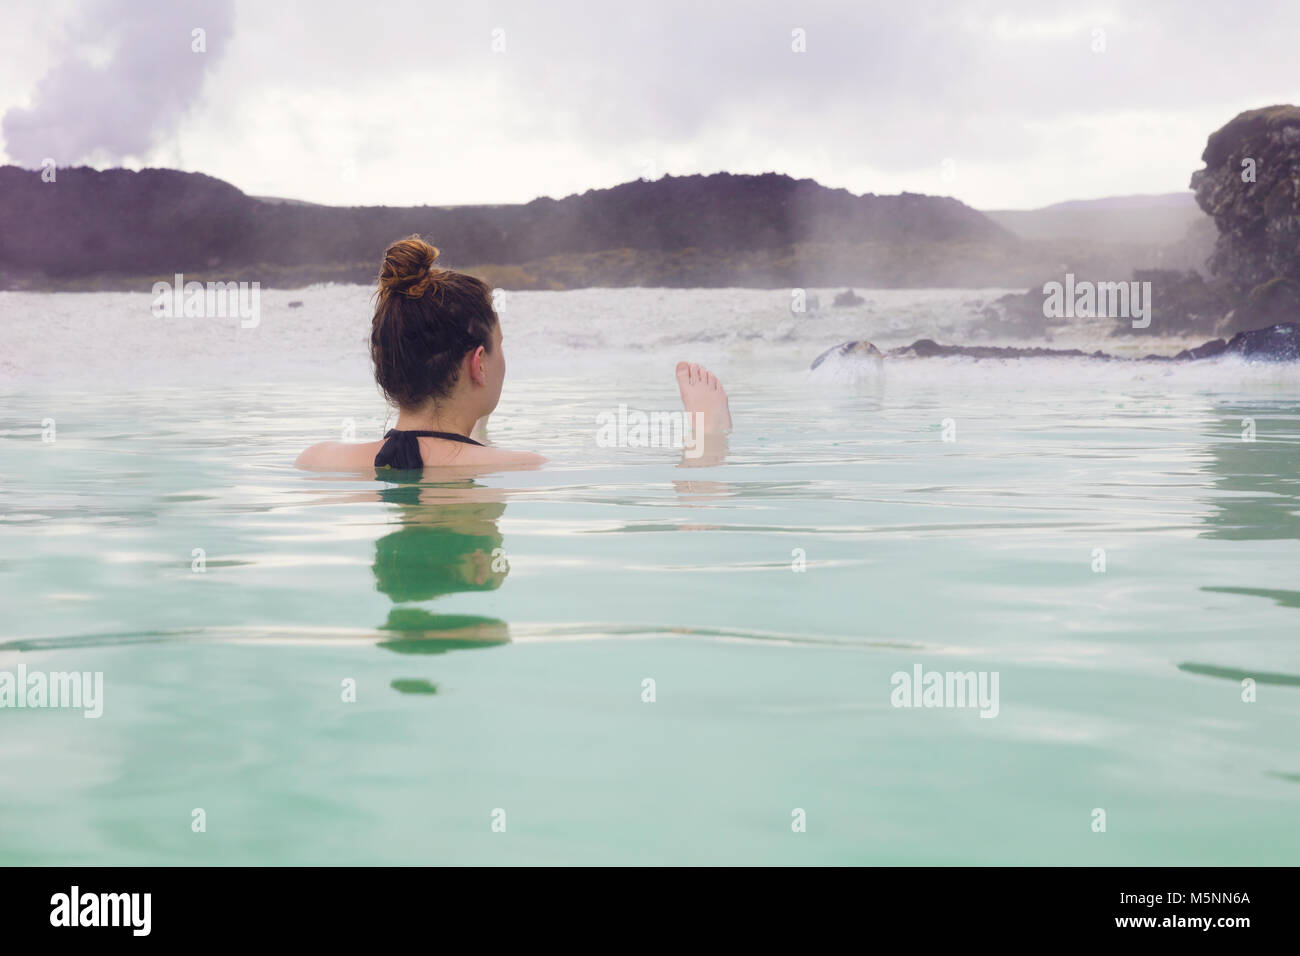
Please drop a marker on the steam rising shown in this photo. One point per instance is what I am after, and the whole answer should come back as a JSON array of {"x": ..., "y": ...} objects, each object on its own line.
[{"x": 125, "y": 79}]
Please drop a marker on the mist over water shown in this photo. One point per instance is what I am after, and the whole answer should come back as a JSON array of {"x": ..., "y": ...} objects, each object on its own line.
[{"x": 112, "y": 339}]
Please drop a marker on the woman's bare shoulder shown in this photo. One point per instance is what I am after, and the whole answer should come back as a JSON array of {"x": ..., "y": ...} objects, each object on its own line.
[
  {"x": 338, "y": 456},
  {"x": 524, "y": 459},
  {"x": 491, "y": 456}
]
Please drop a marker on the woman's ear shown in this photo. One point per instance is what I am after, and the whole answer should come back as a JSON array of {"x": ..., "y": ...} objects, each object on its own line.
[{"x": 476, "y": 366}]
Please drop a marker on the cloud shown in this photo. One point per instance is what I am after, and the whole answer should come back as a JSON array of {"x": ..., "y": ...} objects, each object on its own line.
[
  {"x": 406, "y": 101},
  {"x": 127, "y": 74}
]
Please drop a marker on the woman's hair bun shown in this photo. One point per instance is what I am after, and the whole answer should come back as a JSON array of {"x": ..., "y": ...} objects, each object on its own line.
[
  {"x": 426, "y": 321},
  {"x": 408, "y": 268}
]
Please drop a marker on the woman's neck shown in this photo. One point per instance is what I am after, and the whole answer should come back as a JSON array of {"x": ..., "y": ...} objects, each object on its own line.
[{"x": 453, "y": 420}]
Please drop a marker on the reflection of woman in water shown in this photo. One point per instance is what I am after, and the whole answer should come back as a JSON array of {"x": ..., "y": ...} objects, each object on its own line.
[
  {"x": 443, "y": 547},
  {"x": 436, "y": 345}
]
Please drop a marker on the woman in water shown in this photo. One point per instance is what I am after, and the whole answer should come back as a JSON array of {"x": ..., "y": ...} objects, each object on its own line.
[{"x": 436, "y": 345}]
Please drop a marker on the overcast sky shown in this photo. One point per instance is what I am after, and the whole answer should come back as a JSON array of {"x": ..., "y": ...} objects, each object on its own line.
[{"x": 1003, "y": 105}]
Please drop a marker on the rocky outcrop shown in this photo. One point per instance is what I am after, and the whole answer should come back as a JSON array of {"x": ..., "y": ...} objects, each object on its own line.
[
  {"x": 1180, "y": 302},
  {"x": 1271, "y": 302},
  {"x": 1207, "y": 350},
  {"x": 1277, "y": 343},
  {"x": 1251, "y": 186},
  {"x": 928, "y": 348},
  {"x": 847, "y": 298}
]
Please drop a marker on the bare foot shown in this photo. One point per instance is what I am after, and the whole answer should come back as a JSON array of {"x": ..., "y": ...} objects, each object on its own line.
[{"x": 702, "y": 393}]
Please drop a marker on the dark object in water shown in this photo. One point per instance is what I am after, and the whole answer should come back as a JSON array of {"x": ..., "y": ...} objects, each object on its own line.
[
  {"x": 848, "y": 297},
  {"x": 859, "y": 347},
  {"x": 296, "y": 304},
  {"x": 1277, "y": 343},
  {"x": 413, "y": 686}
]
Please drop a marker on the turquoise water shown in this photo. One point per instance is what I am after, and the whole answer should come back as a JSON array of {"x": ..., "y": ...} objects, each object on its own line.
[{"x": 499, "y": 631}]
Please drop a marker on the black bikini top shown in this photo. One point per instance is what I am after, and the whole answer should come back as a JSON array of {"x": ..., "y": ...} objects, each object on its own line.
[{"x": 402, "y": 449}]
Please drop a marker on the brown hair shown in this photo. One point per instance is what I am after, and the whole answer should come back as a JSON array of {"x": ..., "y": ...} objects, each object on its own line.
[{"x": 426, "y": 319}]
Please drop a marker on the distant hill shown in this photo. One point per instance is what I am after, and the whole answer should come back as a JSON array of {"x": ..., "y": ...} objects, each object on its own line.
[
  {"x": 277, "y": 200},
  {"x": 1184, "y": 200},
  {"x": 1155, "y": 219},
  {"x": 711, "y": 230}
]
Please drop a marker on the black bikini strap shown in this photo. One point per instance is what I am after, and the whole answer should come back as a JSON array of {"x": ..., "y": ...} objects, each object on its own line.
[{"x": 401, "y": 449}]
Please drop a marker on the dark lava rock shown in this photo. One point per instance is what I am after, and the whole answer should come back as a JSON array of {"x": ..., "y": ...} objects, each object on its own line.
[
  {"x": 1181, "y": 302},
  {"x": 928, "y": 348},
  {"x": 848, "y": 297},
  {"x": 1251, "y": 186},
  {"x": 1278, "y": 343},
  {"x": 1275, "y": 302},
  {"x": 1208, "y": 350}
]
